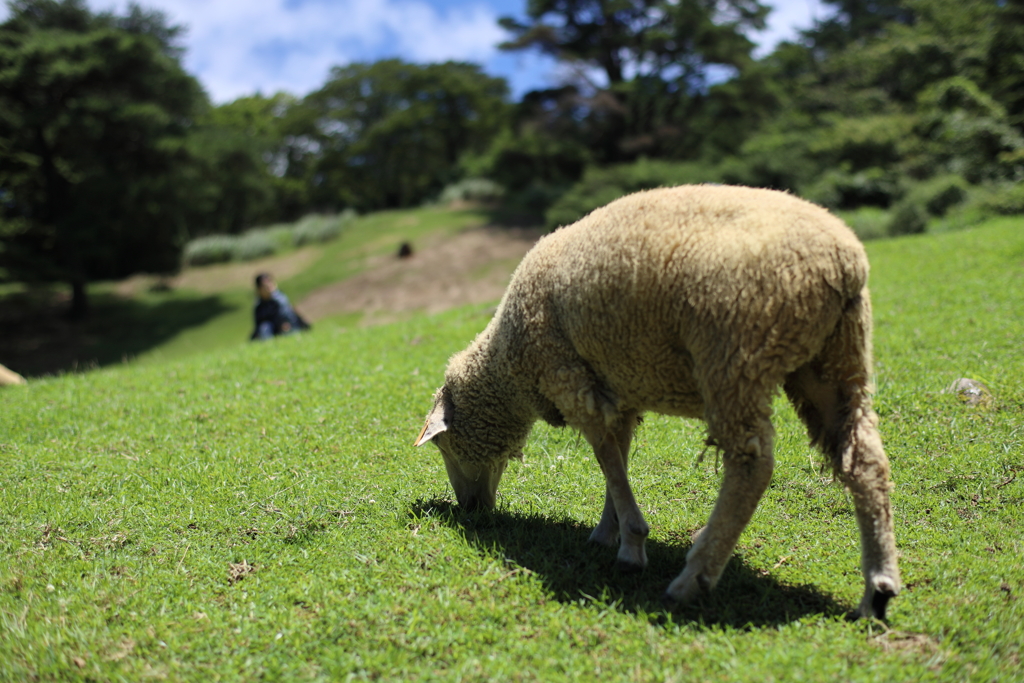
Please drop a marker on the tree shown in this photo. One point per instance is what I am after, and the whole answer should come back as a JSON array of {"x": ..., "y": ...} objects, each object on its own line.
[
  {"x": 856, "y": 20},
  {"x": 250, "y": 174},
  {"x": 888, "y": 96},
  {"x": 675, "y": 40},
  {"x": 649, "y": 63},
  {"x": 391, "y": 134},
  {"x": 95, "y": 172}
]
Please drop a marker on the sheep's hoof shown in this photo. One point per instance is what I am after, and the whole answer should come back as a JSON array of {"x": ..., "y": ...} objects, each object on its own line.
[
  {"x": 879, "y": 601},
  {"x": 631, "y": 558},
  {"x": 873, "y": 606},
  {"x": 599, "y": 536},
  {"x": 628, "y": 567},
  {"x": 687, "y": 587}
]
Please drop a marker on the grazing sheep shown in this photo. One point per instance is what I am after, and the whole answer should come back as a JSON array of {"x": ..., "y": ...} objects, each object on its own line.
[{"x": 697, "y": 301}]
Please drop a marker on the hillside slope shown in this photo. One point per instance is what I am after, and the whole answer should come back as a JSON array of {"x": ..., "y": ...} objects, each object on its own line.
[
  {"x": 259, "y": 511},
  {"x": 145, "y": 318}
]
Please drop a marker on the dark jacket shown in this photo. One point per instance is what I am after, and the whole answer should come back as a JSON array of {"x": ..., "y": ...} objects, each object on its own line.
[{"x": 272, "y": 314}]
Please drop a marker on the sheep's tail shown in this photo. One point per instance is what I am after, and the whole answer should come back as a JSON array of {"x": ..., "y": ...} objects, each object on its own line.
[
  {"x": 843, "y": 369},
  {"x": 849, "y": 276}
]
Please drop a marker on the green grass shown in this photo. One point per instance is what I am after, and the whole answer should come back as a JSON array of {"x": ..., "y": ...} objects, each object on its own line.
[{"x": 259, "y": 511}]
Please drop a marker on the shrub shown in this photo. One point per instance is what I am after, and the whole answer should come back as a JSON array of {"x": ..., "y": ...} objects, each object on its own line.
[
  {"x": 1005, "y": 199},
  {"x": 253, "y": 245},
  {"x": 925, "y": 201},
  {"x": 317, "y": 228},
  {"x": 984, "y": 202},
  {"x": 908, "y": 218},
  {"x": 279, "y": 233},
  {"x": 211, "y": 249},
  {"x": 841, "y": 189},
  {"x": 868, "y": 222},
  {"x": 602, "y": 185},
  {"x": 527, "y": 206},
  {"x": 472, "y": 190}
]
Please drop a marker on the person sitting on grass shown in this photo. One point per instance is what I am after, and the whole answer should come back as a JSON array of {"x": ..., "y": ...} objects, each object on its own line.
[{"x": 274, "y": 313}]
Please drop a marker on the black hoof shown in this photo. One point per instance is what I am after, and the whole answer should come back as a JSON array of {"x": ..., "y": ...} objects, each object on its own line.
[
  {"x": 613, "y": 543},
  {"x": 879, "y": 601},
  {"x": 628, "y": 567}
]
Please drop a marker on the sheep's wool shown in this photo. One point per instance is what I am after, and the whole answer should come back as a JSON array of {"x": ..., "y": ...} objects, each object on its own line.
[{"x": 697, "y": 301}]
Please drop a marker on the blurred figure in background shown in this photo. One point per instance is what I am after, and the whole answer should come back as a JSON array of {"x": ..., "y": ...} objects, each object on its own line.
[{"x": 274, "y": 313}]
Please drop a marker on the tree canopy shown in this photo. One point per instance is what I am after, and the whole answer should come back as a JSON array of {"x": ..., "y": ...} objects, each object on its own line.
[
  {"x": 648, "y": 63},
  {"x": 94, "y": 168},
  {"x": 111, "y": 157},
  {"x": 391, "y": 134}
]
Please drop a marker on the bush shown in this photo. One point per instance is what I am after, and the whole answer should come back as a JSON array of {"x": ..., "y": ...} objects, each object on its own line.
[
  {"x": 984, "y": 202},
  {"x": 317, "y": 228},
  {"x": 1002, "y": 200},
  {"x": 261, "y": 242},
  {"x": 253, "y": 245},
  {"x": 602, "y": 185},
  {"x": 472, "y": 190},
  {"x": 868, "y": 222},
  {"x": 528, "y": 205},
  {"x": 206, "y": 250},
  {"x": 908, "y": 218},
  {"x": 280, "y": 234},
  {"x": 841, "y": 189},
  {"x": 925, "y": 201}
]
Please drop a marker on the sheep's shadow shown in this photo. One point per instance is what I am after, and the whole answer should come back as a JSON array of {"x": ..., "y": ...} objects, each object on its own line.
[{"x": 572, "y": 570}]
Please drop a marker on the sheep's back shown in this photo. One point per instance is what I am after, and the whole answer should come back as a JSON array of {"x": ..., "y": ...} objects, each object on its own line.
[{"x": 660, "y": 290}]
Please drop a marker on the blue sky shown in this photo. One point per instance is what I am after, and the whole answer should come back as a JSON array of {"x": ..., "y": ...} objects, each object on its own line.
[{"x": 238, "y": 47}]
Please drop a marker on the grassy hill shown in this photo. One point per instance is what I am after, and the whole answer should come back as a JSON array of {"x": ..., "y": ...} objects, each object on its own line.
[
  {"x": 258, "y": 511},
  {"x": 150, "y": 319}
]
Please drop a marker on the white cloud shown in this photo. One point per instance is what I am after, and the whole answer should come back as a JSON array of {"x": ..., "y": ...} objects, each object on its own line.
[
  {"x": 786, "y": 19},
  {"x": 238, "y": 47}
]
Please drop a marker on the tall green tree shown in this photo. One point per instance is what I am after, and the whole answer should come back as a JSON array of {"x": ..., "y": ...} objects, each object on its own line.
[
  {"x": 891, "y": 93},
  {"x": 253, "y": 173},
  {"x": 649, "y": 62},
  {"x": 856, "y": 20},
  {"x": 391, "y": 134},
  {"x": 675, "y": 40},
  {"x": 95, "y": 171}
]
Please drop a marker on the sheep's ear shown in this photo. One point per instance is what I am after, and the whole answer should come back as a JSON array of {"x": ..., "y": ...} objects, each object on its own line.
[{"x": 438, "y": 419}]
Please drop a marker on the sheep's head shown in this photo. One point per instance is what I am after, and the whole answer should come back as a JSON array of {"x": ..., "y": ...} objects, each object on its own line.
[{"x": 473, "y": 472}]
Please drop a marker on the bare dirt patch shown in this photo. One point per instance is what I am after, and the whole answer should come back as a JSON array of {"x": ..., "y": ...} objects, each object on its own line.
[{"x": 469, "y": 268}]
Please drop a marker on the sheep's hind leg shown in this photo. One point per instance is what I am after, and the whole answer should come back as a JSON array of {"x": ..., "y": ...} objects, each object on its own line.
[
  {"x": 632, "y": 527},
  {"x": 748, "y": 470},
  {"x": 864, "y": 468},
  {"x": 841, "y": 421},
  {"x": 606, "y": 532}
]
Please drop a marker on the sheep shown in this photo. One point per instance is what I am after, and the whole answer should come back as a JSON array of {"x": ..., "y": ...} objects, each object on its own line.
[
  {"x": 695, "y": 301},
  {"x": 10, "y": 377}
]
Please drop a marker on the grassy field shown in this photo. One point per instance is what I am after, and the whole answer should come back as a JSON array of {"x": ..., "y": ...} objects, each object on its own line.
[{"x": 259, "y": 512}]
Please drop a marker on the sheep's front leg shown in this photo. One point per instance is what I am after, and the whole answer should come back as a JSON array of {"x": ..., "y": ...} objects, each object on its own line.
[
  {"x": 632, "y": 526},
  {"x": 606, "y": 532},
  {"x": 747, "y": 474}
]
